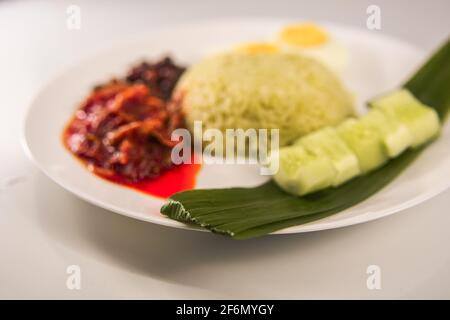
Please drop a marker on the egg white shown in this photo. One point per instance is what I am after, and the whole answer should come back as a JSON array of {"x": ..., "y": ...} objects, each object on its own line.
[{"x": 332, "y": 53}]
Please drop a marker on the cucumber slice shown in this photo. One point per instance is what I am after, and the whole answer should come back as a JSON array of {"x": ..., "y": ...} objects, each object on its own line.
[
  {"x": 327, "y": 143},
  {"x": 395, "y": 98},
  {"x": 395, "y": 135},
  {"x": 422, "y": 121},
  {"x": 301, "y": 172},
  {"x": 365, "y": 142}
]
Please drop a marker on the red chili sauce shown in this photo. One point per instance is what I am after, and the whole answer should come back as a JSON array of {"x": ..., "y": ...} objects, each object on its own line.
[{"x": 122, "y": 131}]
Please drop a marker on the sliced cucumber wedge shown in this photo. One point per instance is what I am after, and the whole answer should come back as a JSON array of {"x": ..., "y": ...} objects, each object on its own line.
[
  {"x": 422, "y": 121},
  {"x": 395, "y": 98},
  {"x": 327, "y": 143},
  {"x": 301, "y": 172},
  {"x": 365, "y": 142},
  {"x": 395, "y": 135}
]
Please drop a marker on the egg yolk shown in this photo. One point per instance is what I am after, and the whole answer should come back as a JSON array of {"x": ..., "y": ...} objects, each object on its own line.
[
  {"x": 304, "y": 35},
  {"x": 252, "y": 48}
]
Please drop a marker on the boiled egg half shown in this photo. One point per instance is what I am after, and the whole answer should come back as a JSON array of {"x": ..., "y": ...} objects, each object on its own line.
[{"x": 311, "y": 40}]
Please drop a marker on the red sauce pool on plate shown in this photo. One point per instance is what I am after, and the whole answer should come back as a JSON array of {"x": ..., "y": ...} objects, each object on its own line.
[{"x": 179, "y": 178}]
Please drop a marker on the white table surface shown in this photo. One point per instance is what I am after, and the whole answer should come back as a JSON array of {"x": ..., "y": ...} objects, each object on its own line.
[{"x": 44, "y": 229}]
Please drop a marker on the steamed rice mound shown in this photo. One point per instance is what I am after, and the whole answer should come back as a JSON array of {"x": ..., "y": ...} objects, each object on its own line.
[{"x": 274, "y": 91}]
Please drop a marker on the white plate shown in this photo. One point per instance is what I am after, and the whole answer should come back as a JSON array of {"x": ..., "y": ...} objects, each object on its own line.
[{"x": 378, "y": 64}]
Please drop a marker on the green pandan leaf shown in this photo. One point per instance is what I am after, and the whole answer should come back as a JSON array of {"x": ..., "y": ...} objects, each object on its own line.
[{"x": 244, "y": 213}]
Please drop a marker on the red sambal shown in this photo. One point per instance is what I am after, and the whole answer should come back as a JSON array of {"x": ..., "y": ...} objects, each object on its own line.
[{"x": 122, "y": 130}]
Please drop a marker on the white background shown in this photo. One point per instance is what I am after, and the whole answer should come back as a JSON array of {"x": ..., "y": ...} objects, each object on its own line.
[{"x": 44, "y": 229}]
